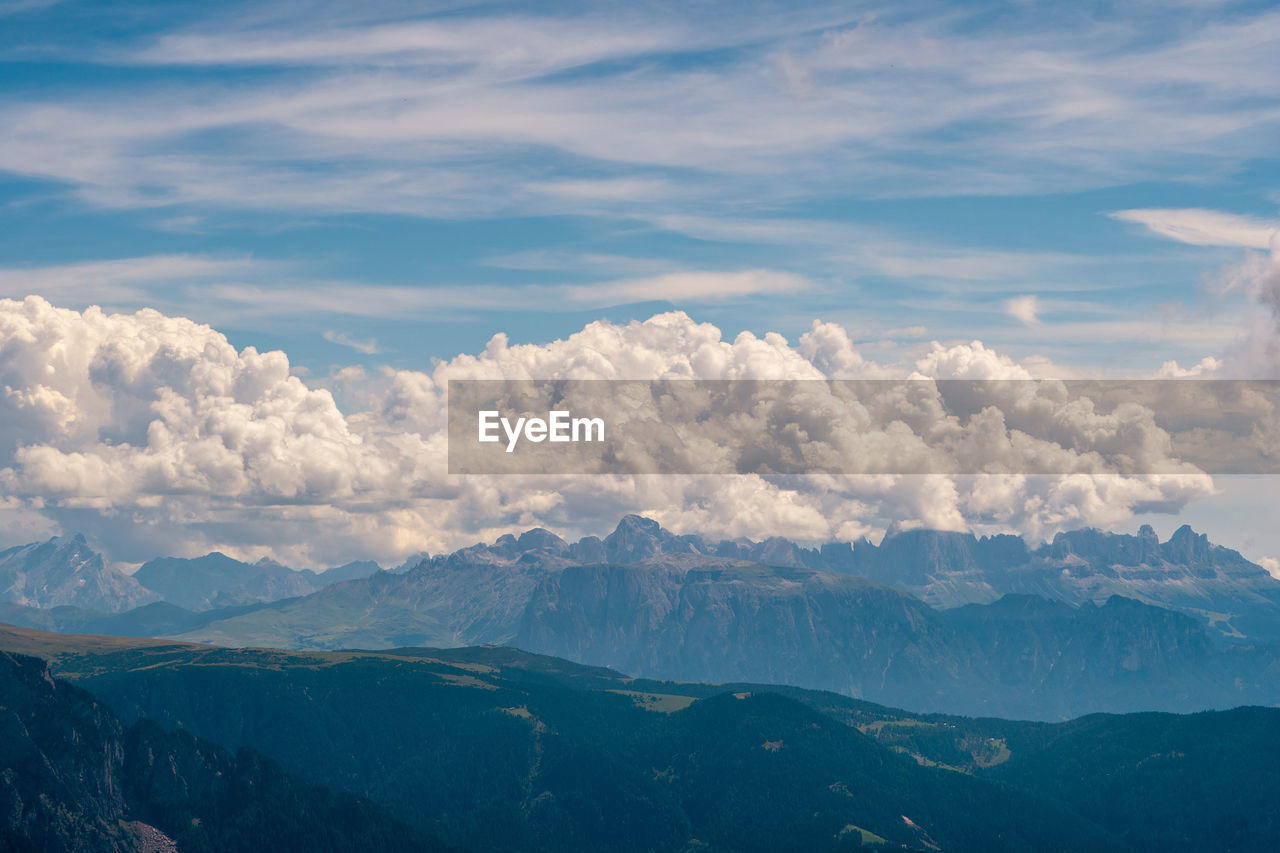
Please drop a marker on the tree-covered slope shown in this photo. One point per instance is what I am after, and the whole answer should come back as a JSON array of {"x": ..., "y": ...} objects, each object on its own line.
[
  {"x": 73, "y": 778},
  {"x": 495, "y": 749}
]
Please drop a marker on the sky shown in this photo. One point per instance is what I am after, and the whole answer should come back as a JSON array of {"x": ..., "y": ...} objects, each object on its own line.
[{"x": 378, "y": 190}]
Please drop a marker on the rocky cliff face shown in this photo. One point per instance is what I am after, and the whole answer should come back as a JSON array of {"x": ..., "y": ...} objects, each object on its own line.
[
  {"x": 66, "y": 571},
  {"x": 735, "y": 624},
  {"x": 62, "y": 754},
  {"x": 1021, "y": 656}
]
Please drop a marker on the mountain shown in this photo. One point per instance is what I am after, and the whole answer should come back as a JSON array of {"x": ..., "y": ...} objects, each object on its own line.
[
  {"x": 75, "y": 779},
  {"x": 65, "y": 571},
  {"x": 1156, "y": 782},
  {"x": 543, "y": 754},
  {"x": 474, "y": 595},
  {"x": 355, "y": 570},
  {"x": 662, "y": 605},
  {"x": 685, "y": 609},
  {"x": 1162, "y": 782},
  {"x": 493, "y": 749},
  {"x": 216, "y": 580},
  {"x": 1238, "y": 599},
  {"x": 158, "y": 619},
  {"x": 1022, "y": 656}
]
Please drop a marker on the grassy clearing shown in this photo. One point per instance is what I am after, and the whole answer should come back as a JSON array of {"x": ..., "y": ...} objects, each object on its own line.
[
  {"x": 664, "y": 703},
  {"x": 866, "y": 835}
]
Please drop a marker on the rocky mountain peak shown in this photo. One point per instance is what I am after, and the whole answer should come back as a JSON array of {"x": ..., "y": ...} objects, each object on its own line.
[
  {"x": 1187, "y": 546},
  {"x": 65, "y": 570},
  {"x": 635, "y": 538},
  {"x": 541, "y": 539}
]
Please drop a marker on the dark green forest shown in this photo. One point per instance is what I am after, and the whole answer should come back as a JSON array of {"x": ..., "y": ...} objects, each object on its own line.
[{"x": 489, "y": 748}]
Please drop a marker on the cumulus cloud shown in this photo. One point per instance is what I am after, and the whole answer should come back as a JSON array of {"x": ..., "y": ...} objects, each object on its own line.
[
  {"x": 1205, "y": 367},
  {"x": 154, "y": 433}
]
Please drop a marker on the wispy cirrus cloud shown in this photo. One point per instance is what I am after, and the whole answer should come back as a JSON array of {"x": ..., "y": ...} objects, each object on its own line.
[
  {"x": 1199, "y": 227},
  {"x": 397, "y": 116},
  {"x": 245, "y": 288},
  {"x": 517, "y": 43},
  {"x": 364, "y": 300},
  {"x": 367, "y": 347},
  {"x": 127, "y": 282}
]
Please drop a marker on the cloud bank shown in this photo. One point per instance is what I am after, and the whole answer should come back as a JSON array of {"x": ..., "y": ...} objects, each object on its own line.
[{"x": 152, "y": 433}]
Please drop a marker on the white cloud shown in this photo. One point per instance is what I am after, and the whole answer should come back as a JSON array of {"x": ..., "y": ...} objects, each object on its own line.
[
  {"x": 1272, "y": 565},
  {"x": 125, "y": 281},
  {"x": 511, "y": 45},
  {"x": 688, "y": 287},
  {"x": 1025, "y": 309},
  {"x": 368, "y": 347},
  {"x": 1207, "y": 366},
  {"x": 465, "y": 113},
  {"x": 233, "y": 290},
  {"x": 1199, "y": 227},
  {"x": 160, "y": 422},
  {"x": 611, "y": 189}
]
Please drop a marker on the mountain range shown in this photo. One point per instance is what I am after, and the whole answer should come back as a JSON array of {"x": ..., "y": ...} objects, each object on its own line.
[
  {"x": 216, "y": 580},
  {"x": 1105, "y": 622},
  {"x": 65, "y": 572}
]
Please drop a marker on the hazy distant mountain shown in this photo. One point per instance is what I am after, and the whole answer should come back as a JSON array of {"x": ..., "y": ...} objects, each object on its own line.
[
  {"x": 66, "y": 571},
  {"x": 157, "y": 619},
  {"x": 1237, "y": 598},
  {"x": 354, "y": 570},
  {"x": 475, "y": 595},
  {"x": 410, "y": 563},
  {"x": 683, "y": 609},
  {"x": 1021, "y": 656},
  {"x": 657, "y": 604},
  {"x": 216, "y": 580}
]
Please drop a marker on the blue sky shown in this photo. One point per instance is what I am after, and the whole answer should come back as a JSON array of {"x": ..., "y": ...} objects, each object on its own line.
[
  {"x": 410, "y": 179},
  {"x": 1092, "y": 185}
]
